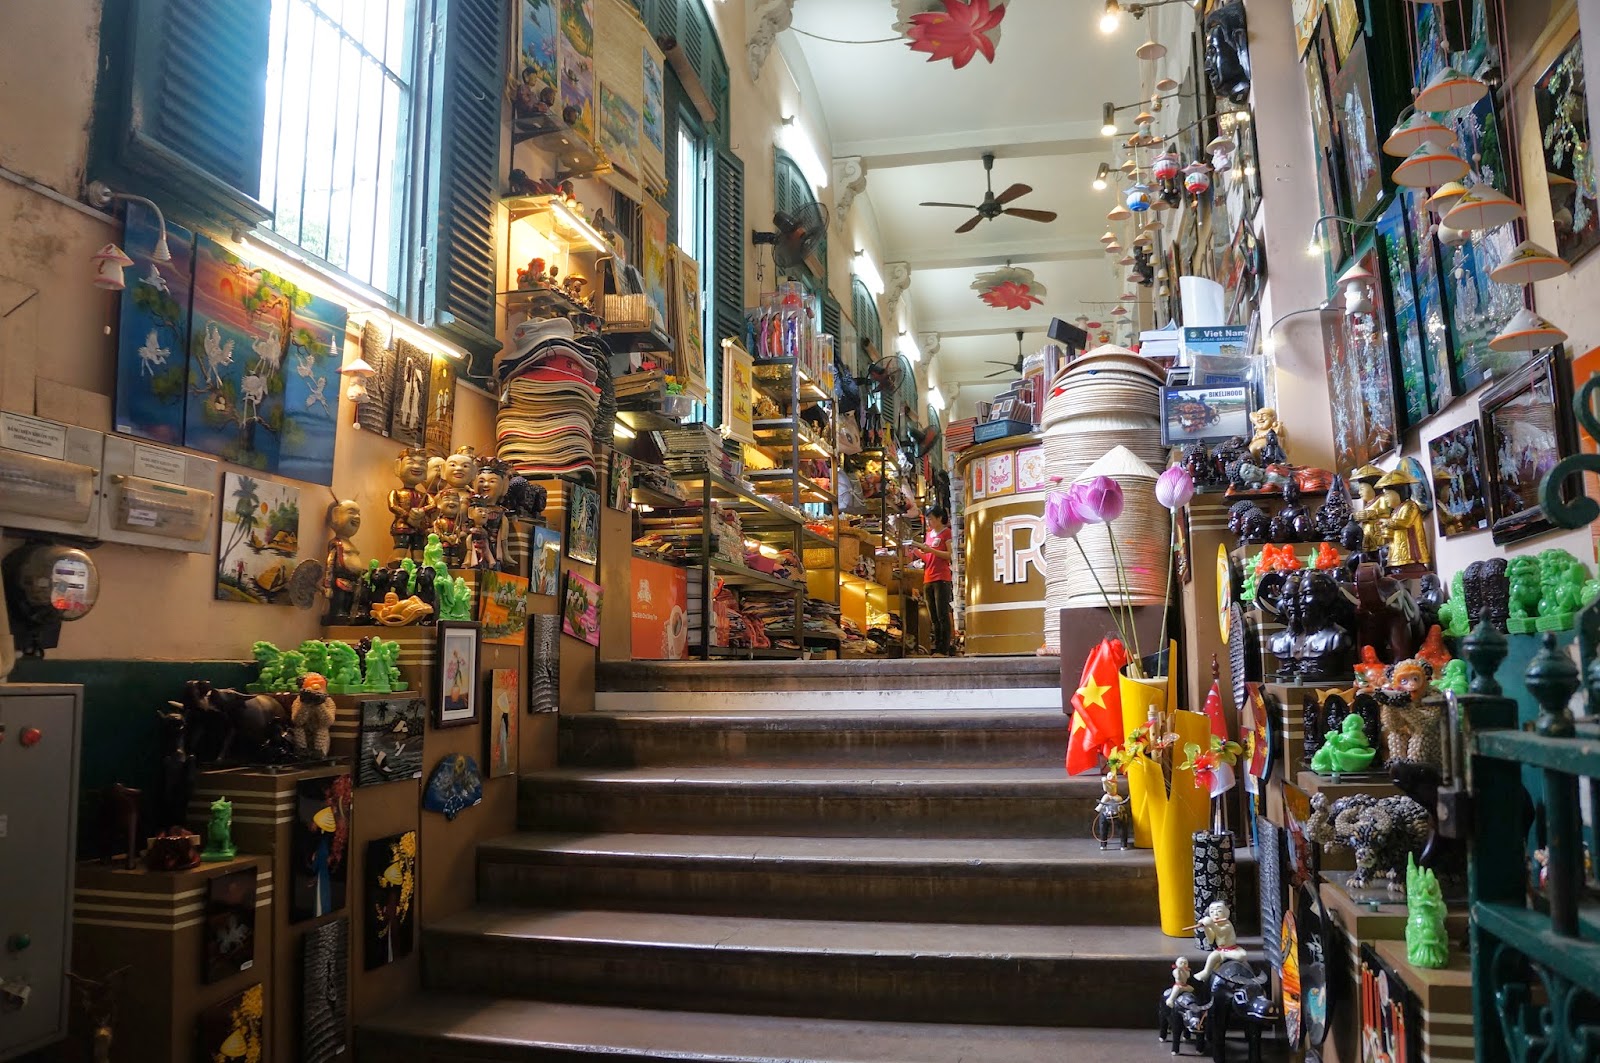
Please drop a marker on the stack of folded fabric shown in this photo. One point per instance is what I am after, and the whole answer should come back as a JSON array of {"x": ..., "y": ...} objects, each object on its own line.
[{"x": 551, "y": 400}]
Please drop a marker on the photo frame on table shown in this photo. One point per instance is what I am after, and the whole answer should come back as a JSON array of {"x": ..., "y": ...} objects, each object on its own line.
[
  {"x": 1561, "y": 98},
  {"x": 456, "y": 693},
  {"x": 583, "y": 524},
  {"x": 1461, "y": 502},
  {"x": 1205, "y": 414},
  {"x": 1526, "y": 430}
]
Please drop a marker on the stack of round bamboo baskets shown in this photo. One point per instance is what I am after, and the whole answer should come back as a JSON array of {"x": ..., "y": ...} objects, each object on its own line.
[{"x": 1104, "y": 418}]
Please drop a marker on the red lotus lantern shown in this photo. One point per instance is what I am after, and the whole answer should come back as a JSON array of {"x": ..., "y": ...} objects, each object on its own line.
[
  {"x": 956, "y": 30},
  {"x": 1196, "y": 178},
  {"x": 1009, "y": 288},
  {"x": 1165, "y": 167}
]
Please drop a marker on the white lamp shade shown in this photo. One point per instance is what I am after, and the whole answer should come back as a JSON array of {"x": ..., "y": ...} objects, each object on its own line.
[
  {"x": 1527, "y": 331},
  {"x": 1483, "y": 207},
  {"x": 1450, "y": 90},
  {"x": 1166, "y": 85},
  {"x": 1430, "y": 166},
  {"x": 1151, "y": 50},
  {"x": 109, "y": 262},
  {"x": 1118, "y": 213},
  {"x": 1415, "y": 131},
  {"x": 1527, "y": 263},
  {"x": 1445, "y": 196}
]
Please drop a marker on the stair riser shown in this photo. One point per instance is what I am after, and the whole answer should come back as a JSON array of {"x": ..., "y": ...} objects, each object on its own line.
[
  {"x": 680, "y": 808},
  {"x": 784, "y": 889},
  {"x": 1039, "y": 992},
  {"x": 595, "y": 742},
  {"x": 389, "y": 1047}
]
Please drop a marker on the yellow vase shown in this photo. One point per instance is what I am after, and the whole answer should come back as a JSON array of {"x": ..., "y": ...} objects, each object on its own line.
[
  {"x": 1174, "y": 818},
  {"x": 1139, "y": 696}
]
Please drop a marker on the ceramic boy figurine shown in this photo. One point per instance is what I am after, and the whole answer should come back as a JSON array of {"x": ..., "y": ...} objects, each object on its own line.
[
  {"x": 410, "y": 504},
  {"x": 1218, "y": 928},
  {"x": 343, "y": 564}
]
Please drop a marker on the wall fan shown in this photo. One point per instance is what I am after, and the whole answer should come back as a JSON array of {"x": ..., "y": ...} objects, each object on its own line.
[
  {"x": 1011, "y": 367},
  {"x": 891, "y": 389},
  {"x": 993, "y": 206},
  {"x": 795, "y": 238}
]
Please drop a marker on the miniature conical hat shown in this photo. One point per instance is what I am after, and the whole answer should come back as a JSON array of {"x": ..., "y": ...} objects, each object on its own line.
[
  {"x": 1411, "y": 134},
  {"x": 1450, "y": 90},
  {"x": 1118, "y": 463},
  {"x": 1445, "y": 196},
  {"x": 1527, "y": 263},
  {"x": 1430, "y": 166},
  {"x": 1483, "y": 207},
  {"x": 1527, "y": 331}
]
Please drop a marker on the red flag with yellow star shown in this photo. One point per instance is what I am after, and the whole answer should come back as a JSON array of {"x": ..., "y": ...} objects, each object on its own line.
[{"x": 1096, "y": 708}]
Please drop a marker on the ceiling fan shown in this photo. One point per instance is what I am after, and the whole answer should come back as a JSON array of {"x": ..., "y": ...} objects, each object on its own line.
[
  {"x": 1011, "y": 367},
  {"x": 993, "y": 206}
]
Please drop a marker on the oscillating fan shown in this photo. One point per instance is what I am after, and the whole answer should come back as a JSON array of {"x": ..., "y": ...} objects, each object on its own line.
[
  {"x": 795, "y": 238},
  {"x": 891, "y": 388}
]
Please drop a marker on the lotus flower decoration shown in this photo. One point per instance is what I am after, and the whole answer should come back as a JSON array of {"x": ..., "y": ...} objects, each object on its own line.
[
  {"x": 1009, "y": 288},
  {"x": 956, "y": 30}
]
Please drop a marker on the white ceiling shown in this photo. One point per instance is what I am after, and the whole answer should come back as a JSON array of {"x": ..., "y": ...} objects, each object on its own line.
[{"x": 921, "y": 129}]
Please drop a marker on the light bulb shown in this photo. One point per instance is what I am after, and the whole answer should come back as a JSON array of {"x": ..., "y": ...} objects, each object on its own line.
[
  {"x": 1112, "y": 18},
  {"x": 1314, "y": 248},
  {"x": 1108, "y": 120}
]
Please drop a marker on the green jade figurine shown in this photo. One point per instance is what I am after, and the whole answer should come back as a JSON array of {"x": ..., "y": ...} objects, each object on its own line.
[
  {"x": 1346, "y": 751},
  {"x": 1453, "y": 613},
  {"x": 1427, "y": 944},
  {"x": 383, "y": 669},
  {"x": 219, "y": 832},
  {"x": 1453, "y": 680},
  {"x": 315, "y": 655},
  {"x": 344, "y": 669},
  {"x": 455, "y": 597}
]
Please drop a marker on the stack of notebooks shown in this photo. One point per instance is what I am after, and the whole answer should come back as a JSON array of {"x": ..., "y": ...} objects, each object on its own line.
[
  {"x": 694, "y": 448},
  {"x": 958, "y": 434},
  {"x": 551, "y": 402}
]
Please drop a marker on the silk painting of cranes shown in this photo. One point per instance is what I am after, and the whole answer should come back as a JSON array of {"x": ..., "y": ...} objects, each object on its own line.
[
  {"x": 311, "y": 390},
  {"x": 153, "y": 334}
]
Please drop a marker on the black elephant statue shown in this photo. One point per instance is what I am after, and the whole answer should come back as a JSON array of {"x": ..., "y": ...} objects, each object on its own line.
[
  {"x": 1236, "y": 999},
  {"x": 229, "y": 726}
]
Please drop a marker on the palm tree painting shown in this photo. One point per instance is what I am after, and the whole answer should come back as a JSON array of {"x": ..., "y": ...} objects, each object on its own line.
[{"x": 259, "y": 544}]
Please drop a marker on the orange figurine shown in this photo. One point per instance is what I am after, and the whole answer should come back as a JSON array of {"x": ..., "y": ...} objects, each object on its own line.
[
  {"x": 1433, "y": 650},
  {"x": 1278, "y": 558},
  {"x": 1370, "y": 672},
  {"x": 1327, "y": 557}
]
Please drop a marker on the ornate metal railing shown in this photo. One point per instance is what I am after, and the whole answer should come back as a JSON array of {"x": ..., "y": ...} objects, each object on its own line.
[{"x": 1535, "y": 944}]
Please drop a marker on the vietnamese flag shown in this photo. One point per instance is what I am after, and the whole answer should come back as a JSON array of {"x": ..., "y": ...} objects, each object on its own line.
[{"x": 1096, "y": 708}]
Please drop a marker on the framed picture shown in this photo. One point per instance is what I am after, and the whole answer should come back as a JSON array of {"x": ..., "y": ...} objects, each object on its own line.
[
  {"x": 502, "y": 608},
  {"x": 1205, "y": 414},
  {"x": 258, "y": 541},
  {"x": 1526, "y": 430},
  {"x": 583, "y": 524},
  {"x": 1461, "y": 504},
  {"x": 455, "y": 702},
  {"x": 324, "y": 992},
  {"x": 153, "y": 331},
  {"x": 230, "y": 936},
  {"x": 321, "y": 846},
  {"x": 1346, "y": 18},
  {"x": 504, "y": 687},
  {"x": 621, "y": 482},
  {"x": 1358, "y": 131},
  {"x": 1305, "y": 13},
  {"x": 689, "y": 343},
  {"x": 1360, "y": 366},
  {"x": 390, "y": 895},
  {"x": 1561, "y": 98},
  {"x": 1394, "y": 251},
  {"x": 738, "y": 392},
  {"x": 1431, "y": 324},
  {"x": 546, "y": 561},
  {"x": 580, "y": 610},
  {"x": 391, "y": 740},
  {"x": 233, "y": 1028},
  {"x": 544, "y": 664}
]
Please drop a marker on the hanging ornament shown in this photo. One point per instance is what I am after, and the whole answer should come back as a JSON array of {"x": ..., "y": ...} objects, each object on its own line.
[
  {"x": 1445, "y": 196},
  {"x": 1430, "y": 166},
  {"x": 109, "y": 262},
  {"x": 1419, "y": 129},
  {"x": 1527, "y": 263},
  {"x": 1165, "y": 166},
  {"x": 956, "y": 30},
  {"x": 1196, "y": 178},
  {"x": 1450, "y": 90},
  {"x": 1483, "y": 207},
  {"x": 1527, "y": 331},
  {"x": 1009, "y": 288},
  {"x": 1138, "y": 198}
]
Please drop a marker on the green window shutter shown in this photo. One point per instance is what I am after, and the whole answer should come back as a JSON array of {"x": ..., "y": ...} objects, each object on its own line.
[
  {"x": 791, "y": 192},
  {"x": 864, "y": 311},
  {"x": 728, "y": 241},
  {"x": 463, "y": 160},
  {"x": 672, "y": 104},
  {"x": 186, "y": 94},
  {"x": 831, "y": 317}
]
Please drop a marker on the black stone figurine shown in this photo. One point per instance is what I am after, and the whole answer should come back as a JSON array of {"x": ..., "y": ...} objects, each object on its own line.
[
  {"x": 1228, "y": 51},
  {"x": 1248, "y": 522},
  {"x": 177, "y": 772},
  {"x": 1293, "y": 523},
  {"x": 1336, "y": 512}
]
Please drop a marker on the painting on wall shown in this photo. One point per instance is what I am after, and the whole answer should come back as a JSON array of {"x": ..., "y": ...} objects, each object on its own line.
[
  {"x": 1305, "y": 13},
  {"x": 321, "y": 838},
  {"x": 619, "y": 131},
  {"x": 655, "y": 261},
  {"x": 441, "y": 406},
  {"x": 544, "y": 664},
  {"x": 413, "y": 369},
  {"x": 1525, "y": 432},
  {"x": 1461, "y": 505},
  {"x": 258, "y": 544},
  {"x": 1585, "y": 366},
  {"x": 1358, "y": 132},
  {"x": 580, "y": 609},
  {"x": 1562, "y": 101},
  {"x": 503, "y": 690},
  {"x": 456, "y": 699},
  {"x": 391, "y": 740},
  {"x": 153, "y": 330},
  {"x": 324, "y": 992},
  {"x": 502, "y": 607},
  {"x": 231, "y": 1029},
  {"x": 684, "y": 282},
  {"x": 539, "y": 46},
  {"x": 652, "y": 122},
  {"x": 583, "y": 524},
  {"x": 390, "y": 904},
  {"x": 1356, "y": 398},
  {"x": 238, "y": 327},
  {"x": 377, "y": 350},
  {"x": 620, "y": 495},
  {"x": 1431, "y": 325},
  {"x": 1346, "y": 18},
  {"x": 1394, "y": 245},
  {"x": 576, "y": 50},
  {"x": 230, "y": 934},
  {"x": 311, "y": 390},
  {"x": 546, "y": 561}
]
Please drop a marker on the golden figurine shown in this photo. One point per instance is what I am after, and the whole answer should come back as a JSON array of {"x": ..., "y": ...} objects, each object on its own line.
[
  {"x": 343, "y": 566},
  {"x": 410, "y": 504},
  {"x": 1374, "y": 508},
  {"x": 1404, "y": 528},
  {"x": 1264, "y": 420}
]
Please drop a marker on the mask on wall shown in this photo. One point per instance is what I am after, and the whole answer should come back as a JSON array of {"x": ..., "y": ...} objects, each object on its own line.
[{"x": 1228, "y": 51}]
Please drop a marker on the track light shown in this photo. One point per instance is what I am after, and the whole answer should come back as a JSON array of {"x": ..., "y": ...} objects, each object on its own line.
[
  {"x": 1112, "y": 18},
  {"x": 1100, "y": 177},
  {"x": 1108, "y": 121}
]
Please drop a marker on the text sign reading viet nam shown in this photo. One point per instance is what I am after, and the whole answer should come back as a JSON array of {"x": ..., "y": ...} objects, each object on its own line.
[{"x": 1018, "y": 543}]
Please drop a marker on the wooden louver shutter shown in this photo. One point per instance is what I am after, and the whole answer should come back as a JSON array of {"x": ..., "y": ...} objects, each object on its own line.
[
  {"x": 832, "y": 317},
  {"x": 728, "y": 239},
  {"x": 458, "y": 295},
  {"x": 187, "y": 88}
]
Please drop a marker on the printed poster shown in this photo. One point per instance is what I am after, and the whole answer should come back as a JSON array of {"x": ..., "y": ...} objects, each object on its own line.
[{"x": 660, "y": 611}]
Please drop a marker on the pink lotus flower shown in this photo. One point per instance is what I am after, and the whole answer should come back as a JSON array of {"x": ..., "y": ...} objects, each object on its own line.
[
  {"x": 1175, "y": 488},
  {"x": 1098, "y": 501},
  {"x": 1061, "y": 517}
]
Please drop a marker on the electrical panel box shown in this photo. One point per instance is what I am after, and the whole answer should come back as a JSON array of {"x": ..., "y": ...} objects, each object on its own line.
[
  {"x": 49, "y": 476},
  {"x": 40, "y": 733},
  {"x": 153, "y": 496}
]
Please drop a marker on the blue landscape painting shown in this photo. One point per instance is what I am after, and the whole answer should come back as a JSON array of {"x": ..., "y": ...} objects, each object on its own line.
[
  {"x": 153, "y": 332},
  {"x": 311, "y": 390}
]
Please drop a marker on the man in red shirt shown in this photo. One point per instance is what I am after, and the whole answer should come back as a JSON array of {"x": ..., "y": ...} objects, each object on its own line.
[{"x": 936, "y": 576}]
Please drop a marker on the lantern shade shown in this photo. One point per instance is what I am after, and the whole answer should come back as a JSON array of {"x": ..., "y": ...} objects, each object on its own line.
[
  {"x": 1445, "y": 196},
  {"x": 1483, "y": 207},
  {"x": 1430, "y": 166},
  {"x": 1138, "y": 198},
  {"x": 1415, "y": 131},
  {"x": 1151, "y": 50},
  {"x": 1221, "y": 144},
  {"x": 1527, "y": 331},
  {"x": 1450, "y": 90},
  {"x": 109, "y": 263},
  {"x": 1165, "y": 166},
  {"x": 1527, "y": 263}
]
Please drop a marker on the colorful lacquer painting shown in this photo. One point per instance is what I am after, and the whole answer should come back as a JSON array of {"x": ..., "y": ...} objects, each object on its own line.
[
  {"x": 619, "y": 130},
  {"x": 1562, "y": 101},
  {"x": 258, "y": 546},
  {"x": 311, "y": 390},
  {"x": 1395, "y": 247},
  {"x": 390, "y": 899},
  {"x": 153, "y": 335},
  {"x": 577, "y": 66},
  {"x": 321, "y": 846},
  {"x": 1461, "y": 502},
  {"x": 580, "y": 611},
  {"x": 503, "y": 696},
  {"x": 541, "y": 34}
]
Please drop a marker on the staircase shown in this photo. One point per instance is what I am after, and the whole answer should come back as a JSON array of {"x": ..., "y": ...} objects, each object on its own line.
[{"x": 879, "y": 862}]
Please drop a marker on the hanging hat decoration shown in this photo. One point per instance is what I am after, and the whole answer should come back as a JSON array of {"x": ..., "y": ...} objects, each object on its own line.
[
  {"x": 1483, "y": 207},
  {"x": 1527, "y": 263},
  {"x": 1430, "y": 166},
  {"x": 1009, "y": 288},
  {"x": 1445, "y": 196},
  {"x": 1419, "y": 129},
  {"x": 109, "y": 262},
  {"x": 956, "y": 30},
  {"x": 1527, "y": 331},
  {"x": 1450, "y": 90}
]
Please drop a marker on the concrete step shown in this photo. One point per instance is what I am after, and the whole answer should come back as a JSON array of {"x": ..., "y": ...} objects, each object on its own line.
[
  {"x": 971, "y": 802},
  {"x": 860, "y": 738},
  {"x": 901, "y": 972},
  {"x": 1059, "y": 881},
  {"x": 458, "y": 1029},
  {"x": 922, "y": 673}
]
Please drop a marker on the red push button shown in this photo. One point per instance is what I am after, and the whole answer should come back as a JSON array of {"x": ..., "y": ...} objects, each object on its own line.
[{"x": 29, "y": 736}]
